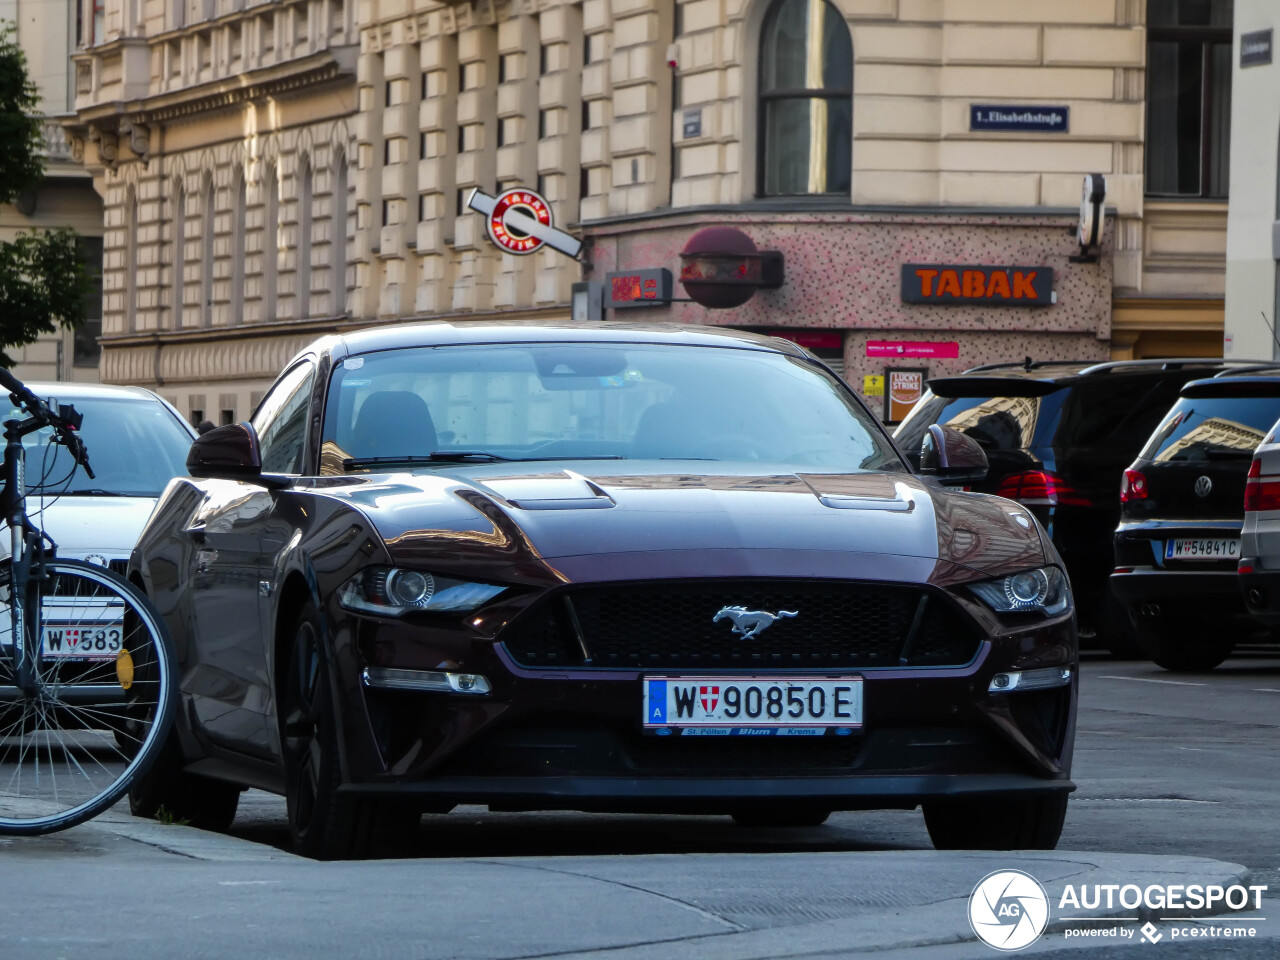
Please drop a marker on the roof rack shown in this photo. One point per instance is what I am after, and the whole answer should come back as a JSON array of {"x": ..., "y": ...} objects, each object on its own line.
[
  {"x": 1251, "y": 368},
  {"x": 1164, "y": 363},
  {"x": 1023, "y": 365}
]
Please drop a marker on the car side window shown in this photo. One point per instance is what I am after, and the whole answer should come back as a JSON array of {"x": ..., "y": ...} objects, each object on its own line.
[{"x": 281, "y": 420}]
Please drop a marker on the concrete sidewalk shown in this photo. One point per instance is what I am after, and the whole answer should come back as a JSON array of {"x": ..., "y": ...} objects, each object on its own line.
[{"x": 134, "y": 890}]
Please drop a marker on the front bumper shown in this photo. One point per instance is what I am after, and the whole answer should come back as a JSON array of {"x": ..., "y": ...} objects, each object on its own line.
[
  {"x": 566, "y": 738},
  {"x": 705, "y": 794}
]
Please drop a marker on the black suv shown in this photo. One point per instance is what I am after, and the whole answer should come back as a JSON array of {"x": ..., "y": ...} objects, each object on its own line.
[
  {"x": 1182, "y": 507},
  {"x": 1058, "y": 436}
]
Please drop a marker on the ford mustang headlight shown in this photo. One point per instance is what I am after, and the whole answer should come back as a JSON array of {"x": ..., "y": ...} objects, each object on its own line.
[
  {"x": 1032, "y": 591},
  {"x": 393, "y": 592}
]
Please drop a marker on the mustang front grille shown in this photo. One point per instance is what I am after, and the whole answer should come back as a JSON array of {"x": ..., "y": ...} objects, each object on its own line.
[{"x": 659, "y": 625}]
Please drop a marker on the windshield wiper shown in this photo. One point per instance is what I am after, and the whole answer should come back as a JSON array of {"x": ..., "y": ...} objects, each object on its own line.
[
  {"x": 454, "y": 456},
  {"x": 439, "y": 456},
  {"x": 90, "y": 492}
]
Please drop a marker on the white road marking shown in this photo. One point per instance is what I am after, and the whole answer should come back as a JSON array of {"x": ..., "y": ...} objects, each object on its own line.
[
  {"x": 246, "y": 883},
  {"x": 1175, "y": 683}
]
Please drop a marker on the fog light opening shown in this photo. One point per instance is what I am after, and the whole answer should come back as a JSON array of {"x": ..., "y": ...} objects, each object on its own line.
[
  {"x": 390, "y": 678},
  {"x": 1030, "y": 679}
]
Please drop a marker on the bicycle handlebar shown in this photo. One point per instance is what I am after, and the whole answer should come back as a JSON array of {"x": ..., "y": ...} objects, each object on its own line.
[{"x": 65, "y": 422}]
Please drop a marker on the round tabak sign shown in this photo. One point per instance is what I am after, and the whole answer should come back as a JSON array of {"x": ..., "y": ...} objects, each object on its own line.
[{"x": 503, "y": 224}]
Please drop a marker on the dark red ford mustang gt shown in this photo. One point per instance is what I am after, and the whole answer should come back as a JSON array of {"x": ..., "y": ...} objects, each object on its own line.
[{"x": 601, "y": 567}]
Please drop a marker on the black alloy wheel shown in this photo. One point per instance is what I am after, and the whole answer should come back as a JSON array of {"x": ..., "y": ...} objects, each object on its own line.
[
  {"x": 323, "y": 823},
  {"x": 994, "y": 823}
]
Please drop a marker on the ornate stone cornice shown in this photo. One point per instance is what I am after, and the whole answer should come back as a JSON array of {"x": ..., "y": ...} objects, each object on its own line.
[{"x": 327, "y": 66}]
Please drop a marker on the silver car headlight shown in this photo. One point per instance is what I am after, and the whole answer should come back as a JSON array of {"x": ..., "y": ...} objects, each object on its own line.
[
  {"x": 1044, "y": 590},
  {"x": 393, "y": 592}
]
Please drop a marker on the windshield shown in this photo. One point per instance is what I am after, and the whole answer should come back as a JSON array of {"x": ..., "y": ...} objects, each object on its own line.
[
  {"x": 135, "y": 448},
  {"x": 1213, "y": 427},
  {"x": 593, "y": 400},
  {"x": 998, "y": 424}
]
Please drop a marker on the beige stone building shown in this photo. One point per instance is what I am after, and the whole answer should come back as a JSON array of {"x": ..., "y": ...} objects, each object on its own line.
[
  {"x": 272, "y": 170},
  {"x": 1253, "y": 234},
  {"x": 47, "y": 34}
]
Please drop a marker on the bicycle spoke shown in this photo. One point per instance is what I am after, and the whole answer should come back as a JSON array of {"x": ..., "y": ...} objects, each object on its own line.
[{"x": 63, "y": 755}]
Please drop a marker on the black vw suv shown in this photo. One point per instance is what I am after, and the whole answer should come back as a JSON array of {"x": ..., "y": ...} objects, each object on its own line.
[
  {"x": 1181, "y": 510},
  {"x": 1058, "y": 436}
]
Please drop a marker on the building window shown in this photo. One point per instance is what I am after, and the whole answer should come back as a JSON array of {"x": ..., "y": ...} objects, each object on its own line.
[
  {"x": 206, "y": 266},
  {"x": 338, "y": 248},
  {"x": 179, "y": 257},
  {"x": 302, "y": 301},
  {"x": 85, "y": 348},
  {"x": 1188, "y": 97},
  {"x": 131, "y": 261},
  {"x": 806, "y": 100},
  {"x": 270, "y": 243},
  {"x": 237, "y": 253}
]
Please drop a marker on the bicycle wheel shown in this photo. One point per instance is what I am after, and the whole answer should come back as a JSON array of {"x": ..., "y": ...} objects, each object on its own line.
[{"x": 101, "y": 706}]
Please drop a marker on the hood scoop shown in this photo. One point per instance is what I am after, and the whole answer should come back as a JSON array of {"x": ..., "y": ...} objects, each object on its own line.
[
  {"x": 860, "y": 492},
  {"x": 565, "y": 490}
]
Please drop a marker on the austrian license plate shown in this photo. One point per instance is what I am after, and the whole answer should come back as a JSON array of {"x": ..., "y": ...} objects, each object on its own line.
[
  {"x": 726, "y": 704},
  {"x": 99, "y": 641},
  {"x": 1226, "y": 548}
]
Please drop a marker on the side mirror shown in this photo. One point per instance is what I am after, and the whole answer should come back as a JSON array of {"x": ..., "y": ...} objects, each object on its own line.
[
  {"x": 228, "y": 453},
  {"x": 951, "y": 456}
]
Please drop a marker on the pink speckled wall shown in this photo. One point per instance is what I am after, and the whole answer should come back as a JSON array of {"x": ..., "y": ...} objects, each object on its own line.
[{"x": 843, "y": 271}]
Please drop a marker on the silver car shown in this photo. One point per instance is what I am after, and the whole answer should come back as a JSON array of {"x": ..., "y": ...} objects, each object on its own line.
[
  {"x": 137, "y": 442},
  {"x": 1259, "y": 567}
]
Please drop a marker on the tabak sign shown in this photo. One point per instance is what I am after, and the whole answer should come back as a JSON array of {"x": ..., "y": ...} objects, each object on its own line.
[{"x": 977, "y": 285}]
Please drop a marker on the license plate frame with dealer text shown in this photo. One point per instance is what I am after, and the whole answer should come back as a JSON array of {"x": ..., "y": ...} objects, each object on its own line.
[{"x": 730, "y": 702}]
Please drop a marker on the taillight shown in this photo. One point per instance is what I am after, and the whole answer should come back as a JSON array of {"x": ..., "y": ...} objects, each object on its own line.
[
  {"x": 1040, "y": 488},
  {"x": 1133, "y": 486},
  {"x": 1261, "y": 493}
]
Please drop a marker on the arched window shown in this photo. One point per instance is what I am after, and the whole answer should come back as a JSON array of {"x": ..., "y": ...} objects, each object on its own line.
[
  {"x": 131, "y": 260},
  {"x": 302, "y": 298},
  {"x": 338, "y": 226},
  {"x": 270, "y": 243},
  {"x": 206, "y": 271},
  {"x": 237, "y": 253},
  {"x": 179, "y": 259},
  {"x": 806, "y": 100}
]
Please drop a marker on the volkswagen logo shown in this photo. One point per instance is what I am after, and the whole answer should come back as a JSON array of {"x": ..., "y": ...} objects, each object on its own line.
[
  {"x": 1204, "y": 486},
  {"x": 1008, "y": 910}
]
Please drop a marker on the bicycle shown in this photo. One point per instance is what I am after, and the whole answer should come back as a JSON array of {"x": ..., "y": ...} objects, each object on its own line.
[{"x": 87, "y": 672}]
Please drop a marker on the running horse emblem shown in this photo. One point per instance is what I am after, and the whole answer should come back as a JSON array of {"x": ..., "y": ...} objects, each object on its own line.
[{"x": 751, "y": 623}]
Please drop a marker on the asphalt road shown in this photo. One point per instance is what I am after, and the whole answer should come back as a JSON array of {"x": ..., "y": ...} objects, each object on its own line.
[
  {"x": 1165, "y": 763},
  {"x": 1181, "y": 767}
]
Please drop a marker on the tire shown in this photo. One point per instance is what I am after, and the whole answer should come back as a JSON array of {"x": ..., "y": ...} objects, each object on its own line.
[
  {"x": 323, "y": 823},
  {"x": 1183, "y": 643},
  {"x": 1118, "y": 632},
  {"x": 1025, "y": 823},
  {"x": 75, "y": 716},
  {"x": 781, "y": 815},
  {"x": 168, "y": 792}
]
